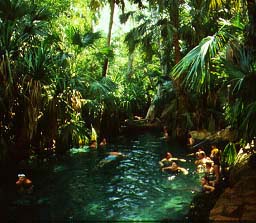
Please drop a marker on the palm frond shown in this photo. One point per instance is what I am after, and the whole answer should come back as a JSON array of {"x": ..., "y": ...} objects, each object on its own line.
[
  {"x": 125, "y": 16},
  {"x": 36, "y": 60},
  {"x": 103, "y": 87},
  {"x": 197, "y": 62},
  {"x": 196, "y": 67},
  {"x": 40, "y": 14},
  {"x": 13, "y": 9},
  {"x": 89, "y": 38},
  {"x": 7, "y": 30},
  {"x": 133, "y": 37},
  {"x": 215, "y": 4},
  {"x": 80, "y": 39},
  {"x": 241, "y": 71},
  {"x": 74, "y": 34}
]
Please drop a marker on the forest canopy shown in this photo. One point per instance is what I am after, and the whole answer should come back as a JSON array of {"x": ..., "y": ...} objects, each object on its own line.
[{"x": 190, "y": 64}]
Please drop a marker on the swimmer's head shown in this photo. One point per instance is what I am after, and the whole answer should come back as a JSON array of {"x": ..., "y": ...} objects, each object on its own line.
[
  {"x": 201, "y": 154},
  {"x": 204, "y": 180},
  {"x": 168, "y": 155},
  {"x": 215, "y": 152},
  {"x": 21, "y": 175},
  {"x": 174, "y": 165}
]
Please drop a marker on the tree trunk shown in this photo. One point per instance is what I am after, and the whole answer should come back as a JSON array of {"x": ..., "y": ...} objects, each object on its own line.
[
  {"x": 130, "y": 65},
  {"x": 176, "y": 23},
  {"x": 251, "y": 37},
  {"x": 181, "y": 96},
  {"x": 112, "y": 10}
]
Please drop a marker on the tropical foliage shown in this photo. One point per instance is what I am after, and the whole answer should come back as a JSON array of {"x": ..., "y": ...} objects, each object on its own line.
[
  {"x": 229, "y": 154},
  {"x": 191, "y": 62}
]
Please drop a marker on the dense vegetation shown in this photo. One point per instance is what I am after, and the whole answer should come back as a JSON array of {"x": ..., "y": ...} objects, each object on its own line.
[{"x": 190, "y": 63}]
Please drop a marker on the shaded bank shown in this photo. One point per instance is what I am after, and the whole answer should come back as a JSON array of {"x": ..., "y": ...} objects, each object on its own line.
[
  {"x": 203, "y": 203},
  {"x": 237, "y": 203}
]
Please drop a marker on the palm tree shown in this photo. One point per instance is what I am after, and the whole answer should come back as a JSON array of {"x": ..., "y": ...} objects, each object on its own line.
[
  {"x": 110, "y": 25},
  {"x": 205, "y": 61},
  {"x": 22, "y": 24},
  {"x": 96, "y": 5}
]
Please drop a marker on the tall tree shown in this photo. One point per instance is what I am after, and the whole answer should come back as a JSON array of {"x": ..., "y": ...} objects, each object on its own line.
[
  {"x": 112, "y": 4},
  {"x": 110, "y": 25}
]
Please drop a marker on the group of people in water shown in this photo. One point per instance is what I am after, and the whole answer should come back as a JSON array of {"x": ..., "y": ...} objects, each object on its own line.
[
  {"x": 169, "y": 164},
  {"x": 208, "y": 167}
]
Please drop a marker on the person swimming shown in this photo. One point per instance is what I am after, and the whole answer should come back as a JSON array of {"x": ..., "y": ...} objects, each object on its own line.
[
  {"x": 168, "y": 160},
  {"x": 166, "y": 134},
  {"x": 206, "y": 187},
  {"x": 112, "y": 156},
  {"x": 103, "y": 142},
  {"x": 216, "y": 157},
  {"x": 195, "y": 154},
  {"x": 190, "y": 140},
  {"x": 93, "y": 144},
  {"x": 210, "y": 172},
  {"x": 24, "y": 185},
  {"x": 200, "y": 162},
  {"x": 174, "y": 168}
]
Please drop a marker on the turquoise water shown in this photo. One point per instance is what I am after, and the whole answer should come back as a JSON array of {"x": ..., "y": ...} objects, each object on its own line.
[{"x": 130, "y": 189}]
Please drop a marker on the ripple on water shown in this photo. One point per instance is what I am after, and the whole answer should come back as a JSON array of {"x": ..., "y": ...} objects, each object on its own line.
[{"x": 131, "y": 189}]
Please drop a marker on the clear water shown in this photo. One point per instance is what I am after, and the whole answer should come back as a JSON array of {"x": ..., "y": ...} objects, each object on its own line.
[{"x": 132, "y": 189}]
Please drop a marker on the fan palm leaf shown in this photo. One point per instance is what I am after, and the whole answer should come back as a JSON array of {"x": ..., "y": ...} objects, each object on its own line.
[
  {"x": 103, "y": 87},
  {"x": 241, "y": 71},
  {"x": 196, "y": 67},
  {"x": 197, "y": 63}
]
